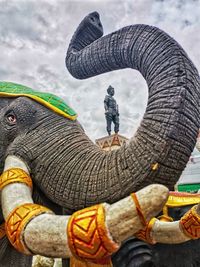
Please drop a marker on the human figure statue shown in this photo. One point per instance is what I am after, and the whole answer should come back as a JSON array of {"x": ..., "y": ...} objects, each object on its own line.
[{"x": 111, "y": 110}]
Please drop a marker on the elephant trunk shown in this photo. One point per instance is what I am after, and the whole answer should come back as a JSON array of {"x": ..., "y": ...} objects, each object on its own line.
[{"x": 163, "y": 143}]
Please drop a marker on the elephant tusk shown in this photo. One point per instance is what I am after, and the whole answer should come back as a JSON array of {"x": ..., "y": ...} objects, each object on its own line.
[
  {"x": 33, "y": 229},
  {"x": 122, "y": 220},
  {"x": 15, "y": 162},
  {"x": 14, "y": 194},
  {"x": 168, "y": 233},
  {"x": 187, "y": 228}
]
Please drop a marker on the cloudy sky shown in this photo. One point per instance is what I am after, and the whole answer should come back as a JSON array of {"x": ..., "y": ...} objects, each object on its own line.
[{"x": 34, "y": 36}]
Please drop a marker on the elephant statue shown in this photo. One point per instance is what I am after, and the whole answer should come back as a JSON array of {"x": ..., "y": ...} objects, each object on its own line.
[
  {"x": 41, "y": 134},
  {"x": 135, "y": 252}
]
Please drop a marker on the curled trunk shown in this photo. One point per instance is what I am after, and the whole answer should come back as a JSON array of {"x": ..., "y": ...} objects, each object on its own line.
[{"x": 168, "y": 131}]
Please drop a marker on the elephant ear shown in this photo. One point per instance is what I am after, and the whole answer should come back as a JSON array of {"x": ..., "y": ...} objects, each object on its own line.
[{"x": 8, "y": 89}]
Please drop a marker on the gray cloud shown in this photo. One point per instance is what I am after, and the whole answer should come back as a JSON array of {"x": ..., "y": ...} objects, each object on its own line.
[{"x": 34, "y": 36}]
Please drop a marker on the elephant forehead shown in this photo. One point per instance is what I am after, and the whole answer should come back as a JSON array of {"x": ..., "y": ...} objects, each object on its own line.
[{"x": 53, "y": 102}]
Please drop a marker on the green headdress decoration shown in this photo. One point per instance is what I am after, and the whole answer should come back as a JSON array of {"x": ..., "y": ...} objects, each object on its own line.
[{"x": 8, "y": 89}]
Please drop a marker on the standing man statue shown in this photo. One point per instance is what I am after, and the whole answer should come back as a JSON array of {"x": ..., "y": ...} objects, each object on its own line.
[{"x": 111, "y": 110}]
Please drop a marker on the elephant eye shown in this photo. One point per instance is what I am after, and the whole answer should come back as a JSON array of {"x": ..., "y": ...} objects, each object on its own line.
[{"x": 11, "y": 118}]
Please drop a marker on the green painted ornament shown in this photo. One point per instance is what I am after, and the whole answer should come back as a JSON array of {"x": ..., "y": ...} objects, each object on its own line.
[{"x": 53, "y": 102}]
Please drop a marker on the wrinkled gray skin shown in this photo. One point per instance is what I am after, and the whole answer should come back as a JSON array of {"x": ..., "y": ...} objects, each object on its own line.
[{"x": 68, "y": 170}]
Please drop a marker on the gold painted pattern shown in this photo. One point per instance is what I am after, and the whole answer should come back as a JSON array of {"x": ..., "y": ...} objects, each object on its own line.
[
  {"x": 190, "y": 223},
  {"x": 78, "y": 263},
  {"x": 145, "y": 233},
  {"x": 139, "y": 209},
  {"x": 88, "y": 236},
  {"x": 177, "y": 199},
  {"x": 17, "y": 221},
  {"x": 165, "y": 216},
  {"x": 15, "y": 175}
]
